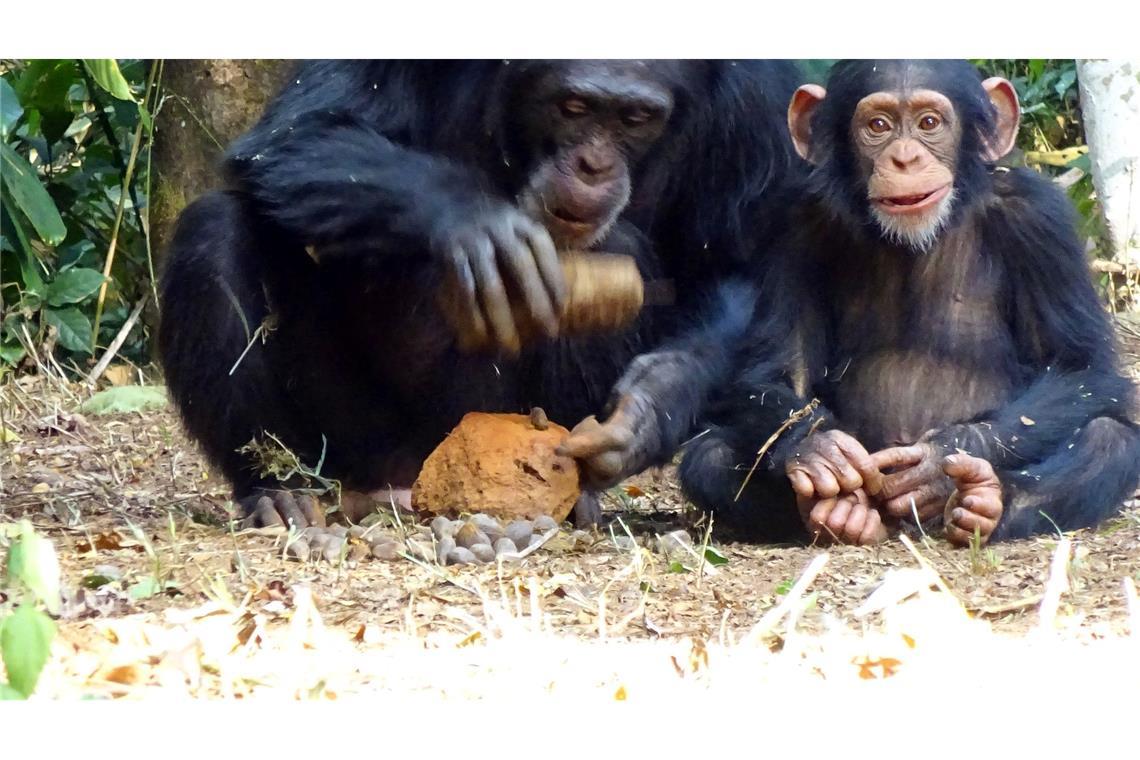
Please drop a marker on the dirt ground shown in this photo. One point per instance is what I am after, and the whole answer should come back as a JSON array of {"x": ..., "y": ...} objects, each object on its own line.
[{"x": 163, "y": 593}]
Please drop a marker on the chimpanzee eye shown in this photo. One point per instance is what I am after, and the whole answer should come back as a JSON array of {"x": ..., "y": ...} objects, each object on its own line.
[
  {"x": 574, "y": 107},
  {"x": 636, "y": 117},
  {"x": 878, "y": 125},
  {"x": 929, "y": 122}
]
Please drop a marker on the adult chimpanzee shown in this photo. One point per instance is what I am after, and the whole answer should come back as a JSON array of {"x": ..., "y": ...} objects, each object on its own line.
[
  {"x": 303, "y": 301},
  {"x": 945, "y": 321}
]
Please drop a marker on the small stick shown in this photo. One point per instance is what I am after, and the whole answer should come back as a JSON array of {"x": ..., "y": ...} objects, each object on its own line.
[
  {"x": 118, "y": 342},
  {"x": 793, "y": 418}
]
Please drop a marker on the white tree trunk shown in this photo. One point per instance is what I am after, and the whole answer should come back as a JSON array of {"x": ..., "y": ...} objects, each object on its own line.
[{"x": 1110, "y": 104}]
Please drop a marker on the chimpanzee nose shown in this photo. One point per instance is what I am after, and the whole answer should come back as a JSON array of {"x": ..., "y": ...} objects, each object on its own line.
[
  {"x": 905, "y": 155},
  {"x": 594, "y": 166}
]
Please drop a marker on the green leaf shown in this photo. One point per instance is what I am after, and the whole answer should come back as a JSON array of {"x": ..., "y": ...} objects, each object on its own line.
[
  {"x": 7, "y": 693},
  {"x": 677, "y": 567},
  {"x": 785, "y": 587},
  {"x": 30, "y": 196},
  {"x": 74, "y": 329},
  {"x": 43, "y": 88},
  {"x": 10, "y": 108},
  {"x": 125, "y": 398},
  {"x": 73, "y": 286},
  {"x": 105, "y": 72},
  {"x": 32, "y": 561},
  {"x": 144, "y": 588},
  {"x": 25, "y": 642},
  {"x": 714, "y": 557}
]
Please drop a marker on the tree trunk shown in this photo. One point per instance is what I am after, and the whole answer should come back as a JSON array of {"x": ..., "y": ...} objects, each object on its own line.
[
  {"x": 1110, "y": 105},
  {"x": 207, "y": 103}
]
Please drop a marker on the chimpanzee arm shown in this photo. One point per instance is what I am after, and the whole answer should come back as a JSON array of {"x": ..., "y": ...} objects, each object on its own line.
[
  {"x": 1063, "y": 334},
  {"x": 323, "y": 165}
]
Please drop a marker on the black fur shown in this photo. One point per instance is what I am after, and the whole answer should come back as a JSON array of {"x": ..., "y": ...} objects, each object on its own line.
[
  {"x": 1028, "y": 376},
  {"x": 366, "y": 162}
]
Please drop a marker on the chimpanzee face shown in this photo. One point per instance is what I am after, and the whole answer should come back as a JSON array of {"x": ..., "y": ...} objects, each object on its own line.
[
  {"x": 897, "y": 144},
  {"x": 586, "y": 124}
]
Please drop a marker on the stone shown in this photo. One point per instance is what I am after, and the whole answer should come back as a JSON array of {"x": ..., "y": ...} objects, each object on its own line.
[
  {"x": 519, "y": 531},
  {"x": 469, "y": 535},
  {"x": 461, "y": 556},
  {"x": 483, "y": 552},
  {"x": 505, "y": 546},
  {"x": 499, "y": 465}
]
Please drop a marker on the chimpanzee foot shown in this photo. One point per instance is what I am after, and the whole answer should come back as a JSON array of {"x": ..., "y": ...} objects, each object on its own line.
[
  {"x": 266, "y": 508},
  {"x": 356, "y": 505},
  {"x": 976, "y": 507},
  {"x": 587, "y": 510}
]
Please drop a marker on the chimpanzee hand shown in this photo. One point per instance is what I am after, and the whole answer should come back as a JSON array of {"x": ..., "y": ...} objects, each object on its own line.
[
  {"x": 499, "y": 251},
  {"x": 976, "y": 505},
  {"x": 830, "y": 463},
  {"x": 265, "y": 508},
  {"x": 606, "y": 450},
  {"x": 918, "y": 476},
  {"x": 846, "y": 519}
]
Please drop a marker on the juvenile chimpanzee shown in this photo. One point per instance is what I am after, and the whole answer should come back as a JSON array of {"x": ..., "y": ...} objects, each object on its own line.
[
  {"x": 303, "y": 301},
  {"x": 943, "y": 316}
]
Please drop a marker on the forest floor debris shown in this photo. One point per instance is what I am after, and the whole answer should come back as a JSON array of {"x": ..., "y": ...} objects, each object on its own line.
[{"x": 164, "y": 592}]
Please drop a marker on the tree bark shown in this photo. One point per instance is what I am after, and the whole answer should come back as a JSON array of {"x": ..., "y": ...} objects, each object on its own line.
[
  {"x": 1110, "y": 104},
  {"x": 207, "y": 103}
]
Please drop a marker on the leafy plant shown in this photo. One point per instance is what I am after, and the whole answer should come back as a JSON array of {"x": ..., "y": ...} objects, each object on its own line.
[
  {"x": 26, "y": 633},
  {"x": 66, "y": 204}
]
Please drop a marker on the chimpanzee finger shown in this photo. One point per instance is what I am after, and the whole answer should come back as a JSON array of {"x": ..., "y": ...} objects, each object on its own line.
[
  {"x": 594, "y": 440},
  {"x": 926, "y": 500},
  {"x": 517, "y": 258},
  {"x": 852, "y": 529},
  {"x": 823, "y": 479},
  {"x": 911, "y": 479},
  {"x": 969, "y": 470},
  {"x": 311, "y": 510},
  {"x": 898, "y": 456},
  {"x": 286, "y": 506},
  {"x": 873, "y": 530},
  {"x": 493, "y": 297},
  {"x": 604, "y": 470},
  {"x": 263, "y": 515},
  {"x": 817, "y": 517},
  {"x": 837, "y": 519},
  {"x": 472, "y": 332},
  {"x": 870, "y": 477},
  {"x": 990, "y": 509},
  {"x": 801, "y": 482},
  {"x": 961, "y": 530},
  {"x": 546, "y": 257}
]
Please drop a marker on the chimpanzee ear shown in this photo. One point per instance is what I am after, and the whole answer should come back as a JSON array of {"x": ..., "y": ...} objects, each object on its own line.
[
  {"x": 1004, "y": 98},
  {"x": 800, "y": 111}
]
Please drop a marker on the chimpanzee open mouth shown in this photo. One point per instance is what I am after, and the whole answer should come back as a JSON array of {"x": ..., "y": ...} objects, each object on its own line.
[{"x": 913, "y": 202}]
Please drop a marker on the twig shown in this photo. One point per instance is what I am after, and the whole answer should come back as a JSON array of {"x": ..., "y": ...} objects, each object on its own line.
[
  {"x": 793, "y": 418},
  {"x": 1104, "y": 266},
  {"x": 118, "y": 342}
]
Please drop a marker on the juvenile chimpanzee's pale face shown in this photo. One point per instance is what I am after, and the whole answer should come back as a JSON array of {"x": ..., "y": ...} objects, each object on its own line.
[
  {"x": 906, "y": 145},
  {"x": 900, "y": 146}
]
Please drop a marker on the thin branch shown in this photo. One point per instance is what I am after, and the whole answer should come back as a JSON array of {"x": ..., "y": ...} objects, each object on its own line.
[{"x": 117, "y": 343}]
